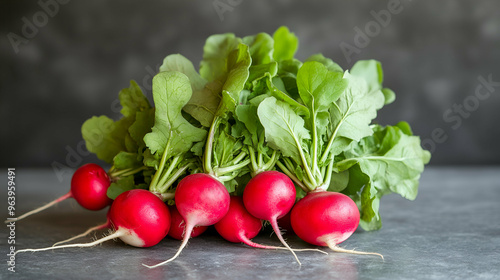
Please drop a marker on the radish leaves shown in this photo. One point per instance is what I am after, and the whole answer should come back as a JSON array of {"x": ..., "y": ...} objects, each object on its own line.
[
  {"x": 389, "y": 161},
  {"x": 172, "y": 136}
]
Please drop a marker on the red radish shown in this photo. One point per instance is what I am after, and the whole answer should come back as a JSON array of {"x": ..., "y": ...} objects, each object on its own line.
[
  {"x": 202, "y": 201},
  {"x": 269, "y": 196},
  {"x": 240, "y": 226},
  {"x": 178, "y": 226},
  {"x": 326, "y": 219},
  {"x": 89, "y": 186},
  {"x": 139, "y": 217}
]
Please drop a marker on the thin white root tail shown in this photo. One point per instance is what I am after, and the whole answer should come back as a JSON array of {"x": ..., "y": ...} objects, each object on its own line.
[
  {"x": 276, "y": 229},
  {"x": 336, "y": 248},
  {"x": 187, "y": 235},
  {"x": 40, "y": 209},
  {"x": 117, "y": 234},
  {"x": 250, "y": 243},
  {"x": 302, "y": 250},
  {"x": 82, "y": 234}
]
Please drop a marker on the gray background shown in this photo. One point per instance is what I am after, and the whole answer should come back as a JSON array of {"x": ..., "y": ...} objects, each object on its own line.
[{"x": 74, "y": 66}]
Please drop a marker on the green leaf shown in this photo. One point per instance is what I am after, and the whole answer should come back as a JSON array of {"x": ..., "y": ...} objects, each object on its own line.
[
  {"x": 273, "y": 87},
  {"x": 144, "y": 121},
  {"x": 105, "y": 137},
  {"x": 172, "y": 133},
  {"x": 225, "y": 146},
  {"x": 370, "y": 204},
  {"x": 371, "y": 71},
  {"x": 328, "y": 63},
  {"x": 261, "y": 48},
  {"x": 247, "y": 114},
  {"x": 125, "y": 160},
  {"x": 205, "y": 96},
  {"x": 285, "y": 44},
  {"x": 258, "y": 72},
  {"x": 389, "y": 95},
  {"x": 204, "y": 103},
  {"x": 405, "y": 128},
  {"x": 352, "y": 113},
  {"x": 215, "y": 55},
  {"x": 121, "y": 186},
  {"x": 151, "y": 160},
  {"x": 394, "y": 164},
  {"x": 132, "y": 100},
  {"x": 287, "y": 72},
  {"x": 318, "y": 87},
  {"x": 339, "y": 181},
  {"x": 284, "y": 128},
  {"x": 179, "y": 63},
  {"x": 238, "y": 63},
  {"x": 197, "y": 149},
  {"x": 389, "y": 161}
]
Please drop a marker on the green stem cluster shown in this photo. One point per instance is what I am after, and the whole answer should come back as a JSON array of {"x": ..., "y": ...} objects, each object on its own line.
[
  {"x": 257, "y": 163},
  {"x": 115, "y": 174},
  {"x": 165, "y": 176},
  {"x": 227, "y": 171}
]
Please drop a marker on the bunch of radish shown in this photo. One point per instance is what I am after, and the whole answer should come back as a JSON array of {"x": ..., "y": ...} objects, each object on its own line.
[{"x": 254, "y": 135}]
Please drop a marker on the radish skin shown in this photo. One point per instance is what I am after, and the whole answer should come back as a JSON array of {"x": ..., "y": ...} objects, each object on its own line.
[
  {"x": 325, "y": 218},
  {"x": 202, "y": 201},
  {"x": 139, "y": 217},
  {"x": 238, "y": 225},
  {"x": 269, "y": 196},
  {"x": 178, "y": 226},
  {"x": 89, "y": 186}
]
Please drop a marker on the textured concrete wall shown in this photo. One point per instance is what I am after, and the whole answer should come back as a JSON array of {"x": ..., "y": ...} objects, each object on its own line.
[{"x": 70, "y": 60}]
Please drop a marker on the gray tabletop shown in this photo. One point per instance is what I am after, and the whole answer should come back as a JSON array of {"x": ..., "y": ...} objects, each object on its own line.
[{"x": 451, "y": 231}]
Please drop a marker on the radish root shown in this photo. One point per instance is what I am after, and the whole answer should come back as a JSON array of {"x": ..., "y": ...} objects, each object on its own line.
[
  {"x": 336, "y": 248},
  {"x": 276, "y": 229},
  {"x": 102, "y": 226},
  {"x": 68, "y": 195},
  {"x": 116, "y": 234},
  {"x": 187, "y": 235},
  {"x": 250, "y": 243}
]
